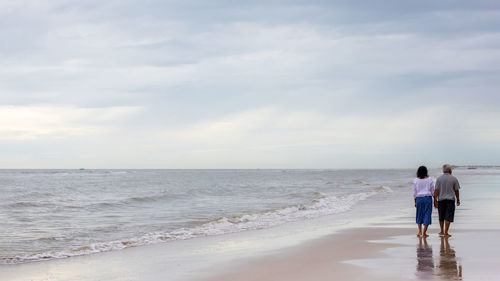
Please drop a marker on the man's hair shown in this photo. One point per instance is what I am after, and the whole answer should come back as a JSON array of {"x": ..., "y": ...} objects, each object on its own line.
[
  {"x": 447, "y": 168},
  {"x": 422, "y": 172}
]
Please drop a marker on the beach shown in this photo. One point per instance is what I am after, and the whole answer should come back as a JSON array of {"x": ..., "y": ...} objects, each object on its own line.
[
  {"x": 390, "y": 249},
  {"x": 351, "y": 245}
]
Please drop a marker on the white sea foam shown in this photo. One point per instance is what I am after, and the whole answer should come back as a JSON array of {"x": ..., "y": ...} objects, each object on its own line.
[{"x": 64, "y": 211}]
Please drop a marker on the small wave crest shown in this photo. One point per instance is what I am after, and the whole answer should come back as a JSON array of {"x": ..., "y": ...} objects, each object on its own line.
[
  {"x": 27, "y": 204},
  {"x": 361, "y": 182},
  {"x": 385, "y": 188},
  {"x": 118, "y": 203},
  {"x": 151, "y": 198},
  {"x": 118, "y": 172}
]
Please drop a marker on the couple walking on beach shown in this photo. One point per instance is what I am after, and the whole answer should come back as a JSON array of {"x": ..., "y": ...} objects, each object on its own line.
[{"x": 444, "y": 193}]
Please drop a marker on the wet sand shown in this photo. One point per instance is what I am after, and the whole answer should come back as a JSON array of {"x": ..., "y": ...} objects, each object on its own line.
[
  {"x": 378, "y": 253},
  {"x": 322, "y": 259}
]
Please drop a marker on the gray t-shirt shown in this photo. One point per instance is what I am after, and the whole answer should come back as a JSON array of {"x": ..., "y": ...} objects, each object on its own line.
[{"x": 447, "y": 184}]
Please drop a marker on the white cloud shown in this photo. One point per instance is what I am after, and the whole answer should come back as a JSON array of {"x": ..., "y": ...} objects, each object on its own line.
[
  {"x": 260, "y": 83},
  {"x": 46, "y": 122}
]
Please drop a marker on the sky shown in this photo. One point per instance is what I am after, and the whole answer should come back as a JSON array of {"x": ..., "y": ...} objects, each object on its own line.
[{"x": 249, "y": 84}]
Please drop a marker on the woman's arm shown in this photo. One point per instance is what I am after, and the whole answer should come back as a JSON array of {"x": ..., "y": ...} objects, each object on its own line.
[{"x": 432, "y": 188}]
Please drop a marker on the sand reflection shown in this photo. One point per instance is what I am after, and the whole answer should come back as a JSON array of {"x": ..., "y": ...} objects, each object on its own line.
[
  {"x": 425, "y": 261},
  {"x": 449, "y": 269}
]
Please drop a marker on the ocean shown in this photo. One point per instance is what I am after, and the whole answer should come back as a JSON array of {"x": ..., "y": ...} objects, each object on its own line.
[{"x": 52, "y": 214}]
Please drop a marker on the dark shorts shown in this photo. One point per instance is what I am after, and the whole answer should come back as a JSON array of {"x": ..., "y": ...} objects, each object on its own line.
[{"x": 446, "y": 209}]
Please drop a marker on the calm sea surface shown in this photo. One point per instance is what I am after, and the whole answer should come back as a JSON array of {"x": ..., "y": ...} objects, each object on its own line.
[{"x": 47, "y": 214}]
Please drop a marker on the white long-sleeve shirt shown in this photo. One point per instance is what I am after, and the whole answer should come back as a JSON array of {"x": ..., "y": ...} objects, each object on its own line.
[{"x": 423, "y": 187}]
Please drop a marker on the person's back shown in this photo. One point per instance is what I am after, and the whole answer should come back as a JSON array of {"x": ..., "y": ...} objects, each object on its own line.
[{"x": 447, "y": 185}]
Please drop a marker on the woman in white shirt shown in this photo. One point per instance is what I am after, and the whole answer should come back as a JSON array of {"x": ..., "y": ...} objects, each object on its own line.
[{"x": 423, "y": 191}]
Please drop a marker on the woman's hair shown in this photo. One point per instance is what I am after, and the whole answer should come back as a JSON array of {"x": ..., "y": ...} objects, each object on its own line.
[{"x": 422, "y": 172}]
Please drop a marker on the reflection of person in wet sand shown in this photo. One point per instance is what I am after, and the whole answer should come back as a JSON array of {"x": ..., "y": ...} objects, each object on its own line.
[
  {"x": 448, "y": 267},
  {"x": 425, "y": 262}
]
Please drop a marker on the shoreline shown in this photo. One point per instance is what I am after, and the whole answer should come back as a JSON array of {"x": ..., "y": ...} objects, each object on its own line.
[
  {"x": 385, "y": 250},
  {"x": 191, "y": 259}
]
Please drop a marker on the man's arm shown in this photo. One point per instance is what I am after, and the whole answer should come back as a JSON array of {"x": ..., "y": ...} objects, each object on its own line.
[
  {"x": 436, "y": 193},
  {"x": 456, "y": 187}
]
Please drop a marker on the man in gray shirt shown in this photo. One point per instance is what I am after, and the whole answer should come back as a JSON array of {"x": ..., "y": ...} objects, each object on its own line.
[{"x": 447, "y": 190}]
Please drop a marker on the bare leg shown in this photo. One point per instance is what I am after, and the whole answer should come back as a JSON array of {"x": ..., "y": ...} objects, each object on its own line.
[
  {"x": 425, "y": 231},
  {"x": 419, "y": 230},
  {"x": 446, "y": 227},
  {"x": 441, "y": 225}
]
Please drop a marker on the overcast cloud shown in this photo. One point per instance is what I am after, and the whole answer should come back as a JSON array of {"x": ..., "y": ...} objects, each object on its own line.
[{"x": 249, "y": 84}]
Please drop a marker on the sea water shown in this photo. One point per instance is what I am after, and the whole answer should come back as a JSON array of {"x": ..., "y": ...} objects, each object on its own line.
[{"x": 49, "y": 214}]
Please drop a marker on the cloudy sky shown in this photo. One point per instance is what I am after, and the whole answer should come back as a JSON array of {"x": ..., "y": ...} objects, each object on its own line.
[{"x": 249, "y": 84}]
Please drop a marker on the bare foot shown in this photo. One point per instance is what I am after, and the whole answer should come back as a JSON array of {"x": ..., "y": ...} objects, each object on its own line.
[
  {"x": 441, "y": 234},
  {"x": 447, "y": 235},
  {"x": 425, "y": 235}
]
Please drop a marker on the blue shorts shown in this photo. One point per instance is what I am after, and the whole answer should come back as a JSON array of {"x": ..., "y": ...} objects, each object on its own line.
[{"x": 424, "y": 210}]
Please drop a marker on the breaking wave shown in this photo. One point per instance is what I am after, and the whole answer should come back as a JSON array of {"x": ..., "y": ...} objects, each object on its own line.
[{"x": 322, "y": 205}]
